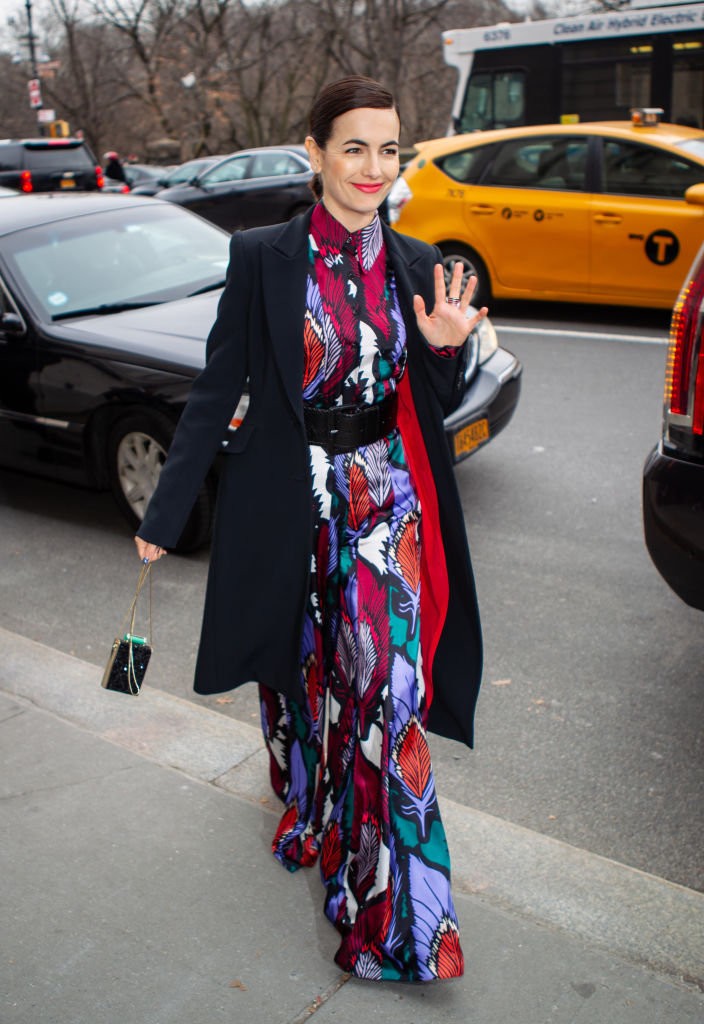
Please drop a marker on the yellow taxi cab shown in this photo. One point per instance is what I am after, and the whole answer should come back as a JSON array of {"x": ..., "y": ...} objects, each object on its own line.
[{"x": 609, "y": 212}]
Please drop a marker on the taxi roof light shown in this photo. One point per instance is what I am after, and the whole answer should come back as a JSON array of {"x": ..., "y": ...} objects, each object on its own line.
[{"x": 645, "y": 117}]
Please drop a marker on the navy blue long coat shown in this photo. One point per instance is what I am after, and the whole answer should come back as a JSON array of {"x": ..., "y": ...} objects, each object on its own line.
[{"x": 260, "y": 558}]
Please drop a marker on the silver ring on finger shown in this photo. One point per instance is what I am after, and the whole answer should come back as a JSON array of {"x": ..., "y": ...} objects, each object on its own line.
[{"x": 452, "y": 300}]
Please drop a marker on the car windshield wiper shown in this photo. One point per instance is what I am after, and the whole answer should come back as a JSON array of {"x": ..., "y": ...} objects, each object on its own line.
[
  {"x": 103, "y": 309},
  {"x": 207, "y": 288}
]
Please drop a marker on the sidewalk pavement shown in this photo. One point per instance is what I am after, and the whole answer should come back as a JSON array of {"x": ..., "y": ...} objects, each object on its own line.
[{"x": 138, "y": 887}]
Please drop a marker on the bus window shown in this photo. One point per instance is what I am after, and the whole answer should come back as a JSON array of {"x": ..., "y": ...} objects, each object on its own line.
[
  {"x": 605, "y": 80},
  {"x": 541, "y": 162},
  {"x": 628, "y": 169},
  {"x": 688, "y": 81},
  {"x": 494, "y": 100}
]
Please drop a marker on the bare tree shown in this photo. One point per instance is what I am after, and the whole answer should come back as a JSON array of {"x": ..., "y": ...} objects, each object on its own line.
[{"x": 218, "y": 75}]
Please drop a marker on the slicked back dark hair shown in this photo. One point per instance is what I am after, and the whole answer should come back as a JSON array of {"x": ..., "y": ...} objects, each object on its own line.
[{"x": 336, "y": 99}]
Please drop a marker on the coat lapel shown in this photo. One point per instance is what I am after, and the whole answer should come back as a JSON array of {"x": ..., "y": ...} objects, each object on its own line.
[
  {"x": 404, "y": 258},
  {"x": 284, "y": 267}
]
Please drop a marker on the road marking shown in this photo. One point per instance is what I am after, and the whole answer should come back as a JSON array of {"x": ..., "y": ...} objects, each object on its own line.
[{"x": 640, "y": 339}]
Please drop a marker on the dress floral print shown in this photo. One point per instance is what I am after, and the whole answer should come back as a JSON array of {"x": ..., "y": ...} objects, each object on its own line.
[{"x": 351, "y": 761}]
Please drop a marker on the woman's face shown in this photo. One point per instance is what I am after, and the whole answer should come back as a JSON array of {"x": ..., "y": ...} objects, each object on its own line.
[{"x": 358, "y": 165}]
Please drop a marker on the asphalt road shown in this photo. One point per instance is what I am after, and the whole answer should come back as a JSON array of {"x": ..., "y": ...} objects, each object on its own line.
[{"x": 589, "y": 725}]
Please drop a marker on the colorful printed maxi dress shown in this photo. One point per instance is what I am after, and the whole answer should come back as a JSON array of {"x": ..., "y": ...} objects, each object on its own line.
[{"x": 351, "y": 761}]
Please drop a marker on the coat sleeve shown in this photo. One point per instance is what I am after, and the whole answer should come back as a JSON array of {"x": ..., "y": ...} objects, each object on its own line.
[
  {"x": 211, "y": 404},
  {"x": 446, "y": 376}
]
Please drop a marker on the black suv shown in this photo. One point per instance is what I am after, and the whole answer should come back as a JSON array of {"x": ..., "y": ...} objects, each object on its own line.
[{"x": 48, "y": 165}]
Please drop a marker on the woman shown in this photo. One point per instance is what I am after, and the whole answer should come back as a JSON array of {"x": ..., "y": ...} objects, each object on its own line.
[{"x": 340, "y": 578}]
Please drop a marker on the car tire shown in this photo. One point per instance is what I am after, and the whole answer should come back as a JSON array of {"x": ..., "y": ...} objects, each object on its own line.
[
  {"x": 454, "y": 252},
  {"x": 137, "y": 447}
]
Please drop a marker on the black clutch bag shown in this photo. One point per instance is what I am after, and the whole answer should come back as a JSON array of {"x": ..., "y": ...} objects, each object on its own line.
[{"x": 130, "y": 653}]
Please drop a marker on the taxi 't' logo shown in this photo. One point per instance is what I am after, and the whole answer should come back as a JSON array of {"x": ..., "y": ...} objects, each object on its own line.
[{"x": 662, "y": 247}]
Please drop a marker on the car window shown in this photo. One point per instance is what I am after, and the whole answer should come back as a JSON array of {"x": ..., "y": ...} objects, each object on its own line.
[
  {"x": 57, "y": 158},
  {"x": 693, "y": 146},
  {"x": 541, "y": 162},
  {"x": 467, "y": 165},
  {"x": 630, "y": 169},
  {"x": 187, "y": 172},
  {"x": 269, "y": 165},
  {"x": 10, "y": 157},
  {"x": 133, "y": 176},
  {"x": 229, "y": 170}
]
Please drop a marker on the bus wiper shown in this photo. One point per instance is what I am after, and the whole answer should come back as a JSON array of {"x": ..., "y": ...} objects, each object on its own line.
[{"x": 104, "y": 309}]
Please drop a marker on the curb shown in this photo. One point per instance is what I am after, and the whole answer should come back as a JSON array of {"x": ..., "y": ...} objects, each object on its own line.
[{"x": 636, "y": 915}]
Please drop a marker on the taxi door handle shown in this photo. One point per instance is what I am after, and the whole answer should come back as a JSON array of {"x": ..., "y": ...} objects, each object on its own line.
[
  {"x": 607, "y": 218},
  {"x": 481, "y": 208}
]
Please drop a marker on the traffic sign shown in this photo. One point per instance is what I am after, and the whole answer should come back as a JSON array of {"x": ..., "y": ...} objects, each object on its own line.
[{"x": 35, "y": 93}]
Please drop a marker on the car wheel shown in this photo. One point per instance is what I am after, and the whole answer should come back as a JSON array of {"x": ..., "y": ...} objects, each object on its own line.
[
  {"x": 137, "y": 447},
  {"x": 454, "y": 252}
]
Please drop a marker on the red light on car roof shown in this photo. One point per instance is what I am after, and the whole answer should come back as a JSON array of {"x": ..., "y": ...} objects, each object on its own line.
[{"x": 26, "y": 181}]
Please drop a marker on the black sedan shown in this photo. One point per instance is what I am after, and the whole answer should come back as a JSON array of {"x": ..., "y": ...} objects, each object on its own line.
[
  {"x": 673, "y": 477},
  {"x": 248, "y": 188},
  {"x": 135, "y": 175},
  {"x": 183, "y": 174},
  {"x": 105, "y": 305}
]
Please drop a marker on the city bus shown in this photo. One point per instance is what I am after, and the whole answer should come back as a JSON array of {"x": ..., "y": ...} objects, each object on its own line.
[{"x": 589, "y": 67}]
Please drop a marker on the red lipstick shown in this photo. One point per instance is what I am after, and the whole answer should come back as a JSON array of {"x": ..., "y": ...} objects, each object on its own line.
[{"x": 368, "y": 188}]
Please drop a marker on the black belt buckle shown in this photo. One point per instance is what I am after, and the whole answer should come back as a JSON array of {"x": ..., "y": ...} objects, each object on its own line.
[{"x": 339, "y": 429}]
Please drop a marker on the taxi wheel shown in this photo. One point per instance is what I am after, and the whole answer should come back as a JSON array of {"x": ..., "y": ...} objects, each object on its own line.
[
  {"x": 137, "y": 447},
  {"x": 454, "y": 252}
]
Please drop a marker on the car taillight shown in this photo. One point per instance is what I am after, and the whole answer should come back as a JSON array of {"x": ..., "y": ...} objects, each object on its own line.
[
  {"x": 26, "y": 181},
  {"x": 684, "y": 376},
  {"x": 99, "y": 177}
]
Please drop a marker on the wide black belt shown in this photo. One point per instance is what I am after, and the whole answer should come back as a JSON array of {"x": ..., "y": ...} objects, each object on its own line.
[{"x": 342, "y": 428}]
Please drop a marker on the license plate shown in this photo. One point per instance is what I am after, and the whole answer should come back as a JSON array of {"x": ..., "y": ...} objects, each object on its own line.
[
  {"x": 68, "y": 183},
  {"x": 470, "y": 437}
]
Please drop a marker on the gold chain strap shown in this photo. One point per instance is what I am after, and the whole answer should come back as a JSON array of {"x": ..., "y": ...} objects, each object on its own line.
[{"x": 131, "y": 612}]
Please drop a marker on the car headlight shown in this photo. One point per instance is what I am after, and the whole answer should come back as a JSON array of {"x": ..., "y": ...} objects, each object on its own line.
[
  {"x": 488, "y": 342},
  {"x": 397, "y": 198}
]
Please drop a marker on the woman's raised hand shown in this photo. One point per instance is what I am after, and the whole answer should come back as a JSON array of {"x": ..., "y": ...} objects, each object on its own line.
[
  {"x": 148, "y": 552},
  {"x": 448, "y": 323}
]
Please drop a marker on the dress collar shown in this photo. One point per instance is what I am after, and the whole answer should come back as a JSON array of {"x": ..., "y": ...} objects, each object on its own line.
[{"x": 330, "y": 238}]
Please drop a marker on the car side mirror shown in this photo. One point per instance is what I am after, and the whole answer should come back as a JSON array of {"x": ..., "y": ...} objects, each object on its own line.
[
  {"x": 11, "y": 323},
  {"x": 695, "y": 195}
]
